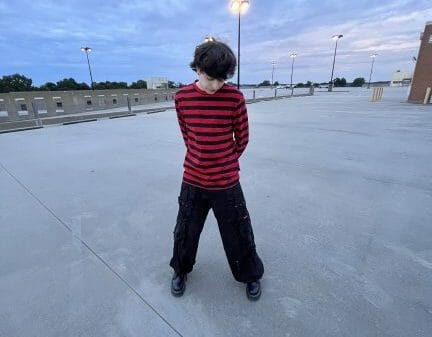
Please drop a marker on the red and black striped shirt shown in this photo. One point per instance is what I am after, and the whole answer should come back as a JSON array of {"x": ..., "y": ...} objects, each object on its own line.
[{"x": 215, "y": 131}]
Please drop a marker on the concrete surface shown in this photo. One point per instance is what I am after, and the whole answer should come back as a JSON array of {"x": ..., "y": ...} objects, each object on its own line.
[{"x": 339, "y": 190}]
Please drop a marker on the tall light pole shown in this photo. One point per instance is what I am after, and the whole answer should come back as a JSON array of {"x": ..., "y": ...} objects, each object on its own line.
[
  {"x": 87, "y": 50},
  {"x": 293, "y": 56},
  {"x": 239, "y": 7},
  {"x": 373, "y": 56},
  {"x": 273, "y": 64},
  {"x": 335, "y": 38}
]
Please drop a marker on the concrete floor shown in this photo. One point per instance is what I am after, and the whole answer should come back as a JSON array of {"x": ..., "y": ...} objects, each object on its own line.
[{"x": 340, "y": 194}]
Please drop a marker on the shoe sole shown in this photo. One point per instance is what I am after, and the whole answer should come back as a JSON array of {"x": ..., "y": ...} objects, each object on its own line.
[
  {"x": 254, "y": 297},
  {"x": 178, "y": 293},
  {"x": 181, "y": 291}
]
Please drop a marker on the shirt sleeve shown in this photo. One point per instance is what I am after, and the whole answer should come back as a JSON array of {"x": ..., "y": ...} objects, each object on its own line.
[
  {"x": 181, "y": 122},
  {"x": 241, "y": 127}
]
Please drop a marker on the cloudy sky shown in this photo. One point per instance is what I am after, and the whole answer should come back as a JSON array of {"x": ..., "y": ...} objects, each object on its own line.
[{"x": 134, "y": 39}]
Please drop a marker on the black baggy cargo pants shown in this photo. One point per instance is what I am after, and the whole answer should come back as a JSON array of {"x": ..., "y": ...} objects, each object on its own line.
[{"x": 229, "y": 208}]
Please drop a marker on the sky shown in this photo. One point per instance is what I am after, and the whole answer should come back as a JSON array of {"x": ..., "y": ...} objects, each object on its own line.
[{"x": 134, "y": 40}]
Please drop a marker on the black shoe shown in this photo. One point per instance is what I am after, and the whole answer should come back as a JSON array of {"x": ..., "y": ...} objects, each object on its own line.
[
  {"x": 178, "y": 284},
  {"x": 253, "y": 290}
]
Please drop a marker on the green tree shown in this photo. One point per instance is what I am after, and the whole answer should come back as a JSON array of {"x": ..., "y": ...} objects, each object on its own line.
[
  {"x": 339, "y": 82},
  {"x": 308, "y": 84},
  {"x": 49, "y": 86},
  {"x": 276, "y": 83},
  {"x": 71, "y": 84},
  {"x": 107, "y": 85},
  {"x": 265, "y": 83},
  {"x": 358, "y": 82},
  {"x": 100, "y": 85},
  {"x": 300, "y": 85},
  {"x": 15, "y": 82},
  {"x": 140, "y": 84}
]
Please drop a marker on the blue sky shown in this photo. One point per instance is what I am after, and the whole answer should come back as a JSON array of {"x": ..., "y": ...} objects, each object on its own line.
[{"x": 136, "y": 39}]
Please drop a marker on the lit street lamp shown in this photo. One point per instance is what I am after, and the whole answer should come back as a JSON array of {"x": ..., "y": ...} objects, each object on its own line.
[
  {"x": 240, "y": 7},
  {"x": 335, "y": 38},
  {"x": 273, "y": 64},
  {"x": 87, "y": 50},
  {"x": 373, "y": 56},
  {"x": 293, "y": 56}
]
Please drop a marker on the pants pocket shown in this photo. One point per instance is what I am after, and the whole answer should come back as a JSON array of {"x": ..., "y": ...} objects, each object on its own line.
[
  {"x": 182, "y": 219},
  {"x": 243, "y": 225}
]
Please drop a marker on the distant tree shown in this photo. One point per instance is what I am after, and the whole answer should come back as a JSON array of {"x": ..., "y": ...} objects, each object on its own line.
[
  {"x": 49, "y": 86},
  {"x": 100, "y": 85},
  {"x": 276, "y": 83},
  {"x": 171, "y": 84},
  {"x": 83, "y": 86},
  {"x": 339, "y": 82},
  {"x": 140, "y": 84},
  {"x": 15, "y": 82},
  {"x": 180, "y": 85},
  {"x": 358, "y": 82},
  {"x": 265, "y": 83},
  {"x": 107, "y": 85},
  {"x": 71, "y": 84},
  {"x": 308, "y": 84},
  {"x": 300, "y": 85}
]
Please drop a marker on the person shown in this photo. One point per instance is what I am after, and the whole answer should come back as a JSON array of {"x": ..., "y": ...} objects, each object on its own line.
[{"x": 214, "y": 124}]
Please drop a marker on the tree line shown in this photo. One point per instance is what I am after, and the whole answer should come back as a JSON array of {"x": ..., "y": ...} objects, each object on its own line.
[
  {"x": 337, "y": 82},
  {"x": 18, "y": 82}
]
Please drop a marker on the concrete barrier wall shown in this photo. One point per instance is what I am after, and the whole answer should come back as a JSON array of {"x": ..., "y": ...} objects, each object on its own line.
[{"x": 19, "y": 106}]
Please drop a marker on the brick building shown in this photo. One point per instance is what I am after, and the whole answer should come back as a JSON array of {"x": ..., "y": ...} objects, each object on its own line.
[{"x": 423, "y": 71}]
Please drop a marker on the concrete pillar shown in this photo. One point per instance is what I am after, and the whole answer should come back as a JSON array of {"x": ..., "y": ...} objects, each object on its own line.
[{"x": 377, "y": 93}]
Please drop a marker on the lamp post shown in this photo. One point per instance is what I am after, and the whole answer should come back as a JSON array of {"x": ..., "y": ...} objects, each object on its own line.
[
  {"x": 87, "y": 50},
  {"x": 335, "y": 38},
  {"x": 273, "y": 64},
  {"x": 373, "y": 56},
  {"x": 293, "y": 56},
  {"x": 239, "y": 7}
]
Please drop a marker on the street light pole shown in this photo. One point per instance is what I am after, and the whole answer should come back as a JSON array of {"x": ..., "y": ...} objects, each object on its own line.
[
  {"x": 239, "y": 7},
  {"x": 373, "y": 56},
  {"x": 273, "y": 64},
  {"x": 87, "y": 50},
  {"x": 238, "y": 53},
  {"x": 336, "y": 38},
  {"x": 293, "y": 56}
]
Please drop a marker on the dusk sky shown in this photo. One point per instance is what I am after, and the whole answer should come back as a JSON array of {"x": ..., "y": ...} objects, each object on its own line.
[{"x": 134, "y": 40}]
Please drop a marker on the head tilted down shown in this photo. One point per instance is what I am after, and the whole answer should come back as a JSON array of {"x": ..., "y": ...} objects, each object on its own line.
[{"x": 214, "y": 62}]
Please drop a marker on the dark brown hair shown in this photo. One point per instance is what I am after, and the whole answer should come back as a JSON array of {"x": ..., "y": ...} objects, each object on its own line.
[{"x": 214, "y": 58}]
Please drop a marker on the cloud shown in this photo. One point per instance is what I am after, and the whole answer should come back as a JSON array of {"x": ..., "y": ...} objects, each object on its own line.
[
  {"x": 379, "y": 30},
  {"x": 158, "y": 37}
]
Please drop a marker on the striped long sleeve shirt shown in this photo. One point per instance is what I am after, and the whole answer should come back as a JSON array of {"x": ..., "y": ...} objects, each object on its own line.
[{"x": 215, "y": 131}]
